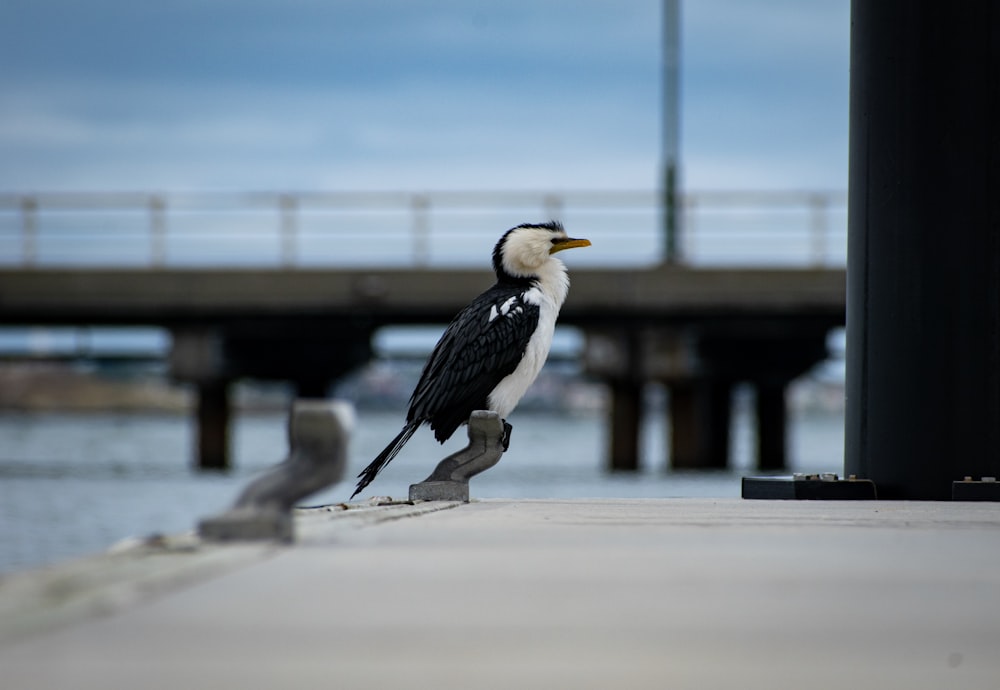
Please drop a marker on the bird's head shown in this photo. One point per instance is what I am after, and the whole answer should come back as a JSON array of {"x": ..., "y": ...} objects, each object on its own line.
[{"x": 523, "y": 250}]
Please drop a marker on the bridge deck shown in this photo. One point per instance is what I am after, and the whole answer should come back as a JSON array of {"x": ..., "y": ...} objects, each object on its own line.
[{"x": 169, "y": 296}]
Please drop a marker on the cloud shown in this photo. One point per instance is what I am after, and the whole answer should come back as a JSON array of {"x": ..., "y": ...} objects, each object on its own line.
[{"x": 305, "y": 94}]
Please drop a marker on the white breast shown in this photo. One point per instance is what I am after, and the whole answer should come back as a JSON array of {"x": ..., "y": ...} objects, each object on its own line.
[{"x": 549, "y": 295}]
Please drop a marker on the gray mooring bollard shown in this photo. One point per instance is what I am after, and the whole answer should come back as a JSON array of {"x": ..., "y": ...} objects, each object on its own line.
[
  {"x": 318, "y": 432},
  {"x": 488, "y": 435}
]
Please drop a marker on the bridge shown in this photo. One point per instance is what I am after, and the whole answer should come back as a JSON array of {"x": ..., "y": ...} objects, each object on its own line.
[{"x": 293, "y": 287}]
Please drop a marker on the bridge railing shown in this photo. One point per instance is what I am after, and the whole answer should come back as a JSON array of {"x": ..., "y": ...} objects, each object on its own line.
[{"x": 317, "y": 229}]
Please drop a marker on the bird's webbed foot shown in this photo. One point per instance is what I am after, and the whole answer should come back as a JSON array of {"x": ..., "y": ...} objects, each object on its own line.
[{"x": 505, "y": 441}]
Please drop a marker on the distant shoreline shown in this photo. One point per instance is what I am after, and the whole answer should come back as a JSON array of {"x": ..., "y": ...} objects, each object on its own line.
[
  {"x": 65, "y": 387},
  {"x": 59, "y": 387}
]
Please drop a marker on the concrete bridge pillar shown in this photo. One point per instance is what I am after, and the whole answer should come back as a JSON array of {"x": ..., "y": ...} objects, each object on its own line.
[
  {"x": 212, "y": 424},
  {"x": 312, "y": 388},
  {"x": 615, "y": 356},
  {"x": 771, "y": 425},
  {"x": 628, "y": 358},
  {"x": 701, "y": 366},
  {"x": 212, "y": 357},
  {"x": 197, "y": 356},
  {"x": 625, "y": 427},
  {"x": 700, "y": 420}
]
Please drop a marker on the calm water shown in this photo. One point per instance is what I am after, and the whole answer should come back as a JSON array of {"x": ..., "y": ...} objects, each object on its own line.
[{"x": 76, "y": 484}]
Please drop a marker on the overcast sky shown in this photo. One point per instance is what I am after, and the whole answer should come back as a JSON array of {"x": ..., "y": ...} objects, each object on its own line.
[{"x": 322, "y": 94}]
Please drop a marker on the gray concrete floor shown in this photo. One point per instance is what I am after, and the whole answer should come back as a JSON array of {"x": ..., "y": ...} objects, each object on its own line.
[{"x": 673, "y": 593}]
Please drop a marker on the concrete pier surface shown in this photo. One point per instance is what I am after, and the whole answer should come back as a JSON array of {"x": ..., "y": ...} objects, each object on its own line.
[{"x": 658, "y": 593}]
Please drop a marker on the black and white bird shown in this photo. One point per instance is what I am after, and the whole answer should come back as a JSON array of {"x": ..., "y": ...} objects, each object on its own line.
[{"x": 492, "y": 351}]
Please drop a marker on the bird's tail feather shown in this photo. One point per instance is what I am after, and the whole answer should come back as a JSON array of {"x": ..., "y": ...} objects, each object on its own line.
[{"x": 366, "y": 475}]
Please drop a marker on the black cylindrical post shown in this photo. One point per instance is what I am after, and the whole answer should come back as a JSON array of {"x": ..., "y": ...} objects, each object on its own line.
[{"x": 923, "y": 315}]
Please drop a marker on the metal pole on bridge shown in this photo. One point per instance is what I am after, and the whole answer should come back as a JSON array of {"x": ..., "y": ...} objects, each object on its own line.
[
  {"x": 923, "y": 304},
  {"x": 671, "y": 128},
  {"x": 29, "y": 230}
]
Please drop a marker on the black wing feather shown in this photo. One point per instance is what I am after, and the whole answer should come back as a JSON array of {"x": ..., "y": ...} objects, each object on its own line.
[{"x": 473, "y": 356}]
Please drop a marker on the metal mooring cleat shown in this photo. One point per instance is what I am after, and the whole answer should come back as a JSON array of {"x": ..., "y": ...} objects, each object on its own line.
[
  {"x": 488, "y": 439},
  {"x": 318, "y": 431}
]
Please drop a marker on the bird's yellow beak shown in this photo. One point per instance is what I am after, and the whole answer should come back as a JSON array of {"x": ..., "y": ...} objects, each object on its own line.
[{"x": 568, "y": 243}]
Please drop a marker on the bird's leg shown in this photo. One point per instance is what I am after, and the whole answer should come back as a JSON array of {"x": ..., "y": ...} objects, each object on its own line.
[{"x": 507, "y": 428}]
